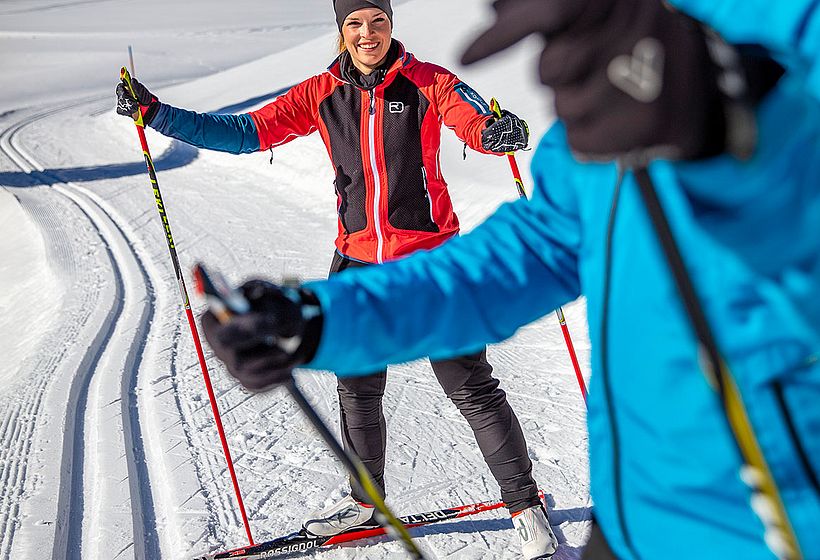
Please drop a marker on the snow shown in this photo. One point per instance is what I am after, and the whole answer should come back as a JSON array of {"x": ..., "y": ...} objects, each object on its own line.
[
  {"x": 109, "y": 448},
  {"x": 25, "y": 273}
]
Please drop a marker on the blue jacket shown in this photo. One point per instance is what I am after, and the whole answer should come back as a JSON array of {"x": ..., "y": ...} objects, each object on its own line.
[{"x": 664, "y": 466}]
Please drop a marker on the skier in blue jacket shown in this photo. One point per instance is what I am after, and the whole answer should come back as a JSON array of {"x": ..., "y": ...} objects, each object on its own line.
[{"x": 731, "y": 141}]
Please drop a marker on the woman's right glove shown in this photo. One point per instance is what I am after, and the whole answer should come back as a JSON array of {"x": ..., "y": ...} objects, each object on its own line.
[
  {"x": 280, "y": 332},
  {"x": 145, "y": 101}
]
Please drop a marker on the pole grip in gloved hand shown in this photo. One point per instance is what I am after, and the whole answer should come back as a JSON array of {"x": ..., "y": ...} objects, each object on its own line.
[
  {"x": 133, "y": 96},
  {"x": 260, "y": 347},
  {"x": 505, "y": 133}
]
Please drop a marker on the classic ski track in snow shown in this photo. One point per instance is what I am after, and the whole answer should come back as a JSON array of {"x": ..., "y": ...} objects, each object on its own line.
[
  {"x": 103, "y": 460},
  {"x": 22, "y": 413}
]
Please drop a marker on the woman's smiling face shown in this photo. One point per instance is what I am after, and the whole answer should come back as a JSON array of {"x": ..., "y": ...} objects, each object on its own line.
[{"x": 367, "y": 34}]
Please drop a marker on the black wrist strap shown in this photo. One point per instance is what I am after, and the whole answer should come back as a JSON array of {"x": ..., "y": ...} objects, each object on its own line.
[{"x": 312, "y": 334}]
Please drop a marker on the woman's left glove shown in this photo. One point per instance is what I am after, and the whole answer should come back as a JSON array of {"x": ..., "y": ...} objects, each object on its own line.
[
  {"x": 281, "y": 331},
  {"x": 505, "y": 134}
]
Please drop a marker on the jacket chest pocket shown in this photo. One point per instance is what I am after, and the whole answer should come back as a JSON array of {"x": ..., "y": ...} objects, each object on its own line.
[
  {"x": 352, "y": 199},
  {"x": 409, "y": 205}
]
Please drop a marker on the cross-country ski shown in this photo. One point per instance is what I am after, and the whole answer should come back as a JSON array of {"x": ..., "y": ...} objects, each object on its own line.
[{"x": 302, "y": 541}]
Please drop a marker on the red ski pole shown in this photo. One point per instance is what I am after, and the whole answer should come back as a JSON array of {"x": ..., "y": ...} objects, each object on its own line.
[
  {"x": 496, "y": 109},
  {"x": 152, "y": 174}
]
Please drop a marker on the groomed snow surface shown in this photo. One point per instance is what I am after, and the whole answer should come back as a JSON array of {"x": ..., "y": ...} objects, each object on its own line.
[{"x": 108, "y": 449}]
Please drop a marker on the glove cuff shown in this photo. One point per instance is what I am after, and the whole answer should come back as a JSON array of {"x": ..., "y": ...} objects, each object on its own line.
[
  {"x": 314, "y": 321},
  {"x": 150, "y": 111},
  {"x": 743, "y": 76}
]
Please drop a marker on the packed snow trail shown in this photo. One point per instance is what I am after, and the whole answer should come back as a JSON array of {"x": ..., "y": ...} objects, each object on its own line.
[{"x": 102, "y": 439}]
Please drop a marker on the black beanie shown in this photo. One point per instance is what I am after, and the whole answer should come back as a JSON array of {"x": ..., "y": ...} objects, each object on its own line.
[{"x": 346, "y": 7}]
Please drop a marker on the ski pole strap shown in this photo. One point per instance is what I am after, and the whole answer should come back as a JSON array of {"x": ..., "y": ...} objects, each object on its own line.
[{"x": 755, "y": 472}]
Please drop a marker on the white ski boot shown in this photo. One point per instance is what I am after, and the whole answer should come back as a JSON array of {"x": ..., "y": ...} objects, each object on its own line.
[
  {"x": 534, "y": 533},
  {"x": 342, "y": 516}
]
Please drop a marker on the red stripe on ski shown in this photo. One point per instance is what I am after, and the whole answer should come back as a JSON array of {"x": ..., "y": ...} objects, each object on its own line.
[{"x": 418, "y": 520}]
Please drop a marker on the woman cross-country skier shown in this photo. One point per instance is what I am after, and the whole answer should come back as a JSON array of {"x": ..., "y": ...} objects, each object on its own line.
[
  {"x": 693, "y": 453},
  {"x": 379, "y": 111}
]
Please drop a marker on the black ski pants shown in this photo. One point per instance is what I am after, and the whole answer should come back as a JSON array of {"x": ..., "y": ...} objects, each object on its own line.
[{"x": 468, "y": 383}]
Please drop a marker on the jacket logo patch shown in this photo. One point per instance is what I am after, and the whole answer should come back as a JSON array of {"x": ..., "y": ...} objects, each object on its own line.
[{"x": 395, "y": 107}]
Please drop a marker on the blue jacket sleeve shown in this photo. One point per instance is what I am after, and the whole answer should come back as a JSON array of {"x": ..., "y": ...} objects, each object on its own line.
[
  {"x": 480, "y": 288},
  {"x": 236, "y": 134},
  {"x": 791, "y": 28}
]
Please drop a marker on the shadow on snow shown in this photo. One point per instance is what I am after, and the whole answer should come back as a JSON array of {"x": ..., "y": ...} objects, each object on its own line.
[{"x": 177, "y": 155}]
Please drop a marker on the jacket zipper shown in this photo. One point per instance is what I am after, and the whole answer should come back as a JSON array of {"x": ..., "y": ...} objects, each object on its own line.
[
  {"x": 615, "y": 435},
  {"x": 427, "y": 191},
  {"x": 377, "y": 184}
]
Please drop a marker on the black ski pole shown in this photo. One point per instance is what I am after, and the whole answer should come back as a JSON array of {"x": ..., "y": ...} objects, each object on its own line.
[
  {"x": 360, "y": 474},
  {"x": 226, "y": 301},
  {"x": 780, "y": 534}
]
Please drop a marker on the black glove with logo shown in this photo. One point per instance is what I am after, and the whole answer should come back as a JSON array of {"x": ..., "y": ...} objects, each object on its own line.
[
  {"x": 505, "y": 134},
  {"x": 635, "y": 78},
  {"x": 146, "y": 101},
  {"x": 280, "y": 332}
]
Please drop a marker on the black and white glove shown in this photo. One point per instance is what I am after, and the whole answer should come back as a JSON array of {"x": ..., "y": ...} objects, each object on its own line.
[
  {"x": 636, "y": 78},
  {"x": 506, "y": 134},
  {"x": 280, "y": 332},
  {"x": 146, "y": 102}
]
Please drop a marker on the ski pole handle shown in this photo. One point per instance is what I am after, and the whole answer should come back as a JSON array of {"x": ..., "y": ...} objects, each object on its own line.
[
  {"x": 223, "y": 299},
  {"x": 125, "y": 77}
]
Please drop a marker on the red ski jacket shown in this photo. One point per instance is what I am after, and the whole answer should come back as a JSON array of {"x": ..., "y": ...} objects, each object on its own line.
[{"x": 384, "y": 145}]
